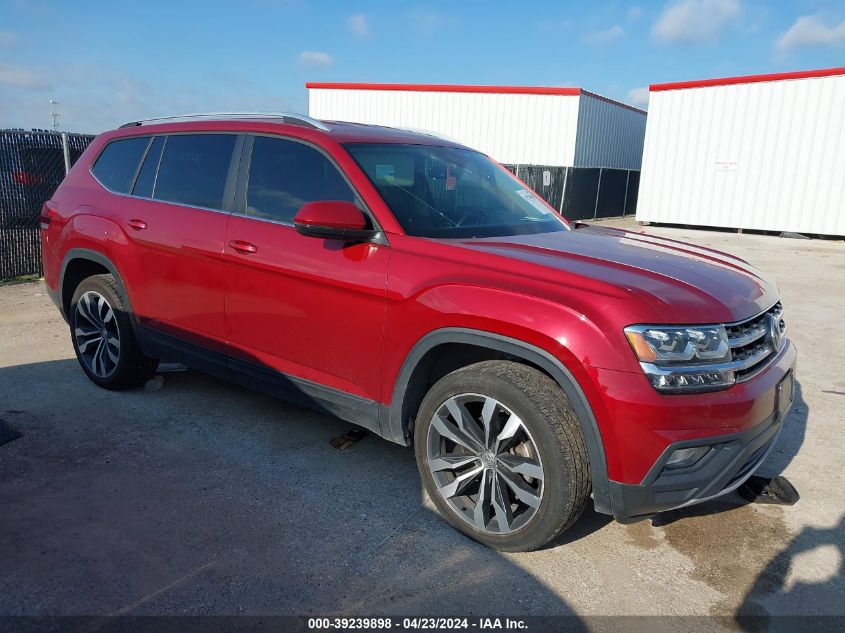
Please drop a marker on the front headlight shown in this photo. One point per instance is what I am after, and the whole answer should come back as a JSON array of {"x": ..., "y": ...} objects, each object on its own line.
[{"x": 683, "y": 359}]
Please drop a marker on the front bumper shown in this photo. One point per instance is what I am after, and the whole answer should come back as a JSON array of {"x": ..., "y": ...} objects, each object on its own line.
[{"x": 732, "y": 459}]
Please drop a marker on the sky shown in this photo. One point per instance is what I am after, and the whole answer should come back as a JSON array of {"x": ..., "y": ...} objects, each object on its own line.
[{"x": 110, "y": 62}]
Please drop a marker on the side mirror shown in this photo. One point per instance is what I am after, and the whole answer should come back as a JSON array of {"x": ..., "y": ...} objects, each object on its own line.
[{"x": 333, "y": 220}]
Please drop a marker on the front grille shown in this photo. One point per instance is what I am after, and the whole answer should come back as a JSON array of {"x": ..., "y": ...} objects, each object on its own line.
[{"x": 752, "y": 344}]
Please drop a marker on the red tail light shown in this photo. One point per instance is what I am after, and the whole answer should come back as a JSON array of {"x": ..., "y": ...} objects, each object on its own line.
[
  {"x": 47, "y": 213},
  {"x": 26, "y": 178}
]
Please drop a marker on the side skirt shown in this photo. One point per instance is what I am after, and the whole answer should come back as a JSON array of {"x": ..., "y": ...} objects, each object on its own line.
[{"x": 261, "y": 378}]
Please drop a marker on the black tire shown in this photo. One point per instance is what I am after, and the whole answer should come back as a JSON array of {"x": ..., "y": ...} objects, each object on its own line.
[
  {"x": 132, "y": 367},
  {"x": 554, "y": 429}
]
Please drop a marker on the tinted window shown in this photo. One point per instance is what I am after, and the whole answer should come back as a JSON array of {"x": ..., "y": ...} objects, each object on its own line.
[
  {"x": 146, "y": 177},
  {"x": 117, "y": 163},
  {"x": 194, "y": 168},
  {"x": 453, "y": 193},
  {"x": 284, "y": 175}
]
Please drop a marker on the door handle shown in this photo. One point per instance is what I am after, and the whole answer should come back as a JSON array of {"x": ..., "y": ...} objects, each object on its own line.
[
  {"x": 138, "y": 225},
  {"x": 243, "y": 247}
]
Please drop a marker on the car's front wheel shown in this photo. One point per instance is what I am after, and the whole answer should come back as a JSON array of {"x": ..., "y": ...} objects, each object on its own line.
[
  {"x": 501, "y": 454},
  {"x": 102, "y": 335}
]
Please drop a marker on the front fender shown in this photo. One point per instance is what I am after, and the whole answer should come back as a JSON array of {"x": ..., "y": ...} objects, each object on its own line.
[{"x": 565, "y": 343}]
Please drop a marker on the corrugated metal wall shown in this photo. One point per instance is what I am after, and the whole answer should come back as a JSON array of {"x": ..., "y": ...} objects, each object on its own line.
[
  {"x": 767, "y": 155},
  {"x": 609, "y": 134},
  {"x": 512, "y": 128}
]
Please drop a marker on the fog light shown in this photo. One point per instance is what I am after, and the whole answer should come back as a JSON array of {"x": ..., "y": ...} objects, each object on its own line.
[{"x": 684, "y": 457}]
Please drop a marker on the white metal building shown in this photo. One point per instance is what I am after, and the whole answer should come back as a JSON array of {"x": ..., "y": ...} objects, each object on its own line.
[
  {"x": 516, "y": 125},
  {"x": 759, "y": 152}
]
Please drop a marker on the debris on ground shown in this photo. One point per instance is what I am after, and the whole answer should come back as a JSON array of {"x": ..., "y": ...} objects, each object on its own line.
[
  {"x": 155, "y": 383},
  {"x": 773, "y": 490},
  {"x": 343, "y": 442}
]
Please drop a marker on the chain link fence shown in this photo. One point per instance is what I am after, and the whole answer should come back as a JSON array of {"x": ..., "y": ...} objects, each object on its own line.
[{"x": 32, "y": 164}]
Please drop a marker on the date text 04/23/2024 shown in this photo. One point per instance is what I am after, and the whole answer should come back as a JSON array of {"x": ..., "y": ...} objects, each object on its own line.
[{"x": 415, "y": 624}]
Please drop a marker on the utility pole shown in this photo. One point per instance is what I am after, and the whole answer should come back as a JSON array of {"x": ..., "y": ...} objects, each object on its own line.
[{"x": 55, "y": 114}]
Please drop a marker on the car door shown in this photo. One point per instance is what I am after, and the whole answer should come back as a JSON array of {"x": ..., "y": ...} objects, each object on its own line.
[
  {"x": 298, "y": 306},
  {"x": 175, "y": 223}
]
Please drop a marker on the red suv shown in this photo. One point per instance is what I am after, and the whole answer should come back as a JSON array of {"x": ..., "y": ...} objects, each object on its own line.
[{"x": 414, "y": 287}]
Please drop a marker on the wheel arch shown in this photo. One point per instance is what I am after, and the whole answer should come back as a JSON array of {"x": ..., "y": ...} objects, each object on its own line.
[
  {"x": 79, "y": 264},
  {"x": 396, "y": 420}
]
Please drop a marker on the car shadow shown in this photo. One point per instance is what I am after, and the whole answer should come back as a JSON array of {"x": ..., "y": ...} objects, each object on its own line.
[
  {"x": 792, "y": 598},
  {"x": 204, "y": 498}
]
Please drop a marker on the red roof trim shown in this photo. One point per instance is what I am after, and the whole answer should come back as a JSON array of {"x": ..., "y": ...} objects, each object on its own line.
[
  {"x": 513, "y": 90},
  {"x": 747, "y": 79}
]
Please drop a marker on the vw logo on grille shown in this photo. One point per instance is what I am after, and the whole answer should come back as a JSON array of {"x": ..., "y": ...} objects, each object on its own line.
[{"x": 776, "y": 329}]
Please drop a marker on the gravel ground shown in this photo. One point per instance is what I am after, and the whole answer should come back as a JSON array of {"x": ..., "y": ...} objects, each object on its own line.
[{"x": 205, "y": 498}]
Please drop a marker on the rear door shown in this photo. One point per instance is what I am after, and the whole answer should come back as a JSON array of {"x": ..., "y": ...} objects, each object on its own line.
[
  {"x": 174, "y": 223},
  {"x": 306, "y": 307}
]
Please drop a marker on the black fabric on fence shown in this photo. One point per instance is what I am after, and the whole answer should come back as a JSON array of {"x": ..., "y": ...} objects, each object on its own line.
[
  {"x": 583, "y": 193},
  {"x": 535, "y": 175},
  {"x": 32, "y": 165},
  {"x": 633, "y": 190},
  {"x": 611, "y": 198}
]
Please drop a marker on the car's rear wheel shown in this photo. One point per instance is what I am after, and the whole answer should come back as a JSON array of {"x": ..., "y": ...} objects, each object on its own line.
[
  {"x": 103, "y": 338},
  {"x": 501, "y": 454}
]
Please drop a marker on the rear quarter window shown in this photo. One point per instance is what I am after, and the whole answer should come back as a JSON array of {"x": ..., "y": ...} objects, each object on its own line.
[{"x": 116, "y": 165}]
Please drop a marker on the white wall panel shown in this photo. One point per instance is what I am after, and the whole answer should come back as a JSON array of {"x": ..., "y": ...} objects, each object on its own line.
[
  {"x": 512, "y": 128},
  {"x": 609, "y": 134},
  {"x": 765, "y": 155}
]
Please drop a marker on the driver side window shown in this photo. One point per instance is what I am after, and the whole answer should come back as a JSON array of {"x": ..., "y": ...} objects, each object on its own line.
[{"x": 284, "y": 175}]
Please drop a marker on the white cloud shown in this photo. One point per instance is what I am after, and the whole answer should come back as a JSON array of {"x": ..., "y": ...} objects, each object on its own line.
[
  {"x": 315, "y": 59},
  {"x": 638, "y": 97},
  {"x": 358, "y": 25},
  {"x": 695, "y": 21},
  {"x": 810, "y": 30},
  {"x": 606, "y": 36},
  {"x": 635, "y": 13},
  {"x": 19, "y": 77}
]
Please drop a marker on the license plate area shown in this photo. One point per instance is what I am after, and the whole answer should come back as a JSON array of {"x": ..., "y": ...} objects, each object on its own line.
[{"x": 784, "y": 395}]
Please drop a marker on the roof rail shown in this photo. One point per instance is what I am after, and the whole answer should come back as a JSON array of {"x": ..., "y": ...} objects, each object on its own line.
[{"x": 287, "y": 117}]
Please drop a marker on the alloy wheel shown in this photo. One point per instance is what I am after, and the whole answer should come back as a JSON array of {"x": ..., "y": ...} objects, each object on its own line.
[
  {"x": 485, "y": 464},
  {"x": 97, "y": 335}
]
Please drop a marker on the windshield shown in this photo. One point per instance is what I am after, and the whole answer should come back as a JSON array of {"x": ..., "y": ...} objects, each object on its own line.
[{"x": 452, "y": 193}]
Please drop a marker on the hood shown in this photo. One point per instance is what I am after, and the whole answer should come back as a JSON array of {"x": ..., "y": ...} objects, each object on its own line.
[{"x": 684, "y": 283}]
